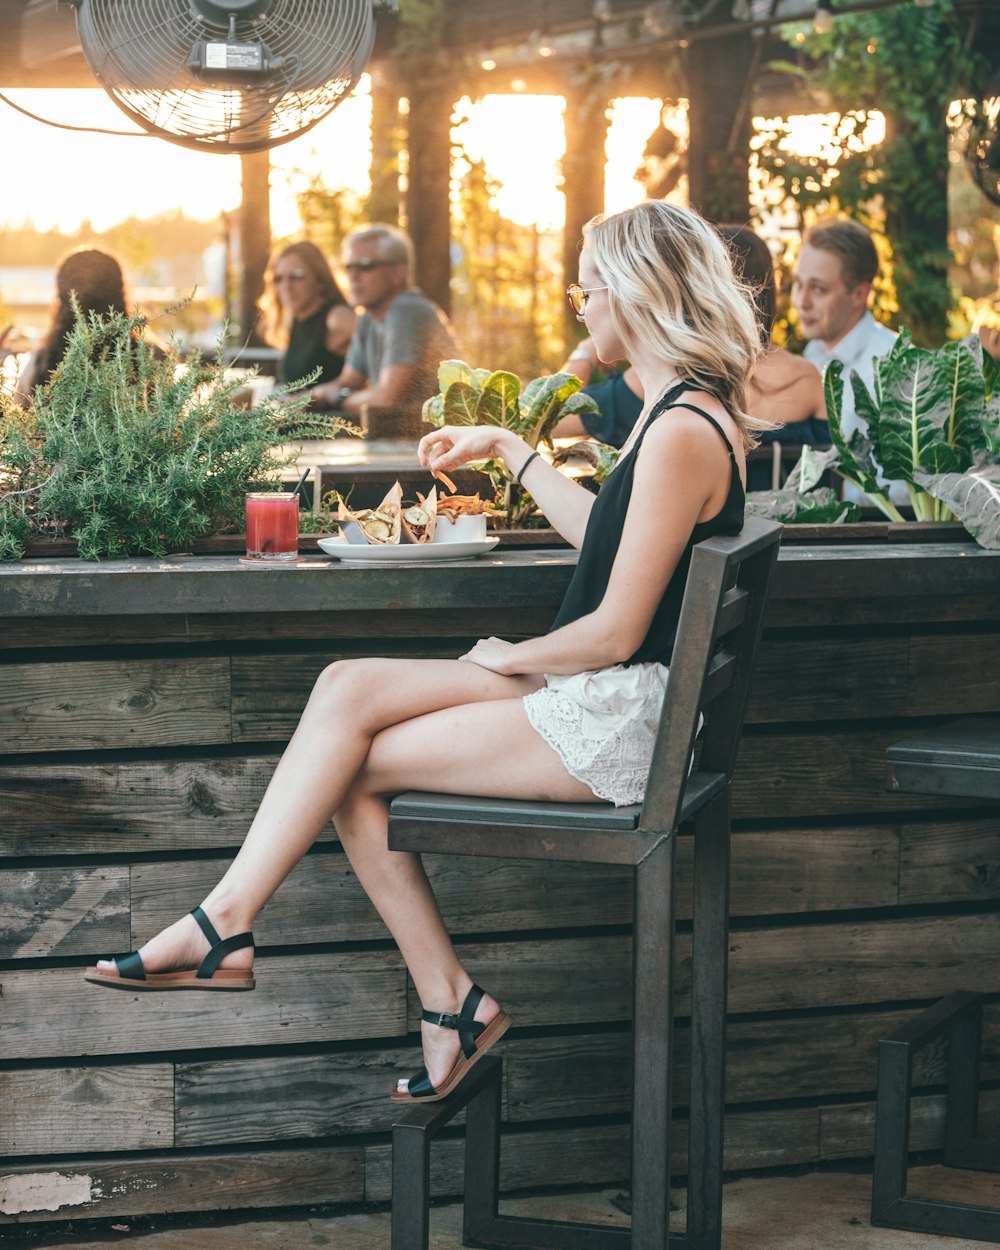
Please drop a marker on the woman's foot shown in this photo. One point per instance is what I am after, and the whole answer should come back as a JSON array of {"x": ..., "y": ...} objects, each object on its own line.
[
  {"x": 182, "y": 946},
  {"x": 190, "y": 954},
  {"x": 445, "y": 1049}
]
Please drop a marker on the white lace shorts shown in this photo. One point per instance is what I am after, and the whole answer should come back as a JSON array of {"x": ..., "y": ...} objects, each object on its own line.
[{"x": 602, "y": 725}]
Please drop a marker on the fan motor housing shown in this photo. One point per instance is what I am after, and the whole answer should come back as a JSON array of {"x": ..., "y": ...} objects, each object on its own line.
[
  {"x": 221, "y": 12},
  {"x": 227, "y": 58}
]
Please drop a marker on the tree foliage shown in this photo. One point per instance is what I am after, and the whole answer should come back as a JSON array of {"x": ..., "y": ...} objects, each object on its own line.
[{"x": 910, "y": 63}]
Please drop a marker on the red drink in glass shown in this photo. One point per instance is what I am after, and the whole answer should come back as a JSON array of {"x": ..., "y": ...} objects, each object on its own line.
[{"x": 273, "y": 526}]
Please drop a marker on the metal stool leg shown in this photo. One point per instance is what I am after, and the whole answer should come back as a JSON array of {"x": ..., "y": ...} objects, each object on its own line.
[
  {"x": 653, "y": 950},
  {"x": 411, "y": 1178},
  {"x": 710, "y": 965}
]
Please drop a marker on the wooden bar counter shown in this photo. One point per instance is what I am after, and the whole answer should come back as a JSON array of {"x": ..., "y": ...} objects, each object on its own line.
[{"x": 143, "y": 705}]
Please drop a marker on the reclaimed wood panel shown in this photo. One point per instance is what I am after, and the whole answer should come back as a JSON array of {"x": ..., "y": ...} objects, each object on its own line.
[
  {"x": 100, "y": 705},
  {"x": 125, "y": 808},
  {"x": 270, "y": 691},
  {"x": 828, "y": 772},
  {"x": 57, "y": 911},
  {"x": 322, "y": 901},
  {"x": 786, "y": 609},
  {"x": 105, "y": 1188},
  {"x": 848, "y": 1132},
  {"x": 62, "y": 632},
  {"x": 289, "y": 1097},
  {"x": 127, "y": 1107},
  {"x": 942, "y": 675},
  {"x": 801, "y": 1057},
  {"x": 958, "y": 859},
  {"x": 306, "y": 997},
  {"x": 823, "y": 678}
]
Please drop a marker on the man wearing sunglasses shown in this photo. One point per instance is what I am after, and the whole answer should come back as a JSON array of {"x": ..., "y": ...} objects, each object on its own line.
[{"x": 401, "y": 337}]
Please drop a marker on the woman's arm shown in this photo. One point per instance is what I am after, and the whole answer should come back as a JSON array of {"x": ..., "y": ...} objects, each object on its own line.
[
  {"x": 339, "y": 329},
  {"x": 565, "y": 503},
  {"x": 681, "y": 476}
]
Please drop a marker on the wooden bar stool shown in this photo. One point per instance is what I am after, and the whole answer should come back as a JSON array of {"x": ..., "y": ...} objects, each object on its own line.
[{"x": 720, "y": 625}]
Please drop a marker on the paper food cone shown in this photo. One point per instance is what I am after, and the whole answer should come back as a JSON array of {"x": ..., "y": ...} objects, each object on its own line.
[{"x": 420, "y": 520}]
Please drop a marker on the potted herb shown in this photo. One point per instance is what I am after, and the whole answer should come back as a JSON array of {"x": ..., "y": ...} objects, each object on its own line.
[
  {"x": 130, "y": 453},
  {"x": 471, "y": 396}
]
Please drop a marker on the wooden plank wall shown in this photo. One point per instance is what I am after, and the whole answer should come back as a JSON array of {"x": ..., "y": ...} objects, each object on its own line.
[{"x": 129, "y": 772}]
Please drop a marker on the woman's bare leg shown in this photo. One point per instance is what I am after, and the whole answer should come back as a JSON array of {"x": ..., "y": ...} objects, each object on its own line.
[
  {"x": 350, "y": 703},
  {"x": 497, "y": 754}
]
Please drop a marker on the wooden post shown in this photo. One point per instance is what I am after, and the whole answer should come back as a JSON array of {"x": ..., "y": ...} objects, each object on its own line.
[
  {"x": 718, "y": 84},
  {"x": 583, "y": 179},
  {"x": 254, "y": 217},
  {"x": 428, "y": 206},
  {"x": 384, "y": 198}
]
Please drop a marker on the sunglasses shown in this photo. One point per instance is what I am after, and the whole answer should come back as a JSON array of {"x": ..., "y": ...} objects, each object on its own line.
[
  {"x": 294, "y": 275},
  {"x": 366, "y": 266},
  {"x": 578, "y": 296}
]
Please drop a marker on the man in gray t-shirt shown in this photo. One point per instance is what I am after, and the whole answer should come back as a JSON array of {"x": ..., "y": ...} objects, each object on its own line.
[{"x": 401, "y": 337}]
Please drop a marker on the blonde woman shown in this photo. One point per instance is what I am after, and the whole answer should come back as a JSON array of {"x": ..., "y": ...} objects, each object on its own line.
[
  {"x": 305, "y": 313},
  {"x": 569, "y": 716}
]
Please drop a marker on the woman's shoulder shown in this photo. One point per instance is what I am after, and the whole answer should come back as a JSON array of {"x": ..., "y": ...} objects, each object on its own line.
[
  {"x": 786, "y": 388},
  {"x": 679, "y": 428}
]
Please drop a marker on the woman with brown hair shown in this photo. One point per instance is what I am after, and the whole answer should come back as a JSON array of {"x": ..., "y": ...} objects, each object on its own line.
[
  {"x": 96, "y": 278},
  {"x": 305, "y": 313}
]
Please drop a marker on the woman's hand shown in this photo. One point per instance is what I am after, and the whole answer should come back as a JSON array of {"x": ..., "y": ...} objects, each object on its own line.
[
  {"x": 453, "y": 446},
  {"x": 494, "y": 654}
]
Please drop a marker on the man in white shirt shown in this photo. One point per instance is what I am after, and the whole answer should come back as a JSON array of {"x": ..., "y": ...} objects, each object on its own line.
[{"x": 831, "y": 286}]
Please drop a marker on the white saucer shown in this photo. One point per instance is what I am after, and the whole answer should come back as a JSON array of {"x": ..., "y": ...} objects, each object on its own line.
[{"x": 404, "y": 553}]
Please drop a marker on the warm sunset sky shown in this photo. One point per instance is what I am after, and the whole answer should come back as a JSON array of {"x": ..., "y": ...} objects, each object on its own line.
[{"x": 69, "y": 176}]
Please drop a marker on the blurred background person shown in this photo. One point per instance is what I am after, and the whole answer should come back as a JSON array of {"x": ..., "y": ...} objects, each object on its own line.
[
  {"x": 97, "y": 278},
  {"x": 401, "y": 337},
  {"x": 305, "y": 314}
]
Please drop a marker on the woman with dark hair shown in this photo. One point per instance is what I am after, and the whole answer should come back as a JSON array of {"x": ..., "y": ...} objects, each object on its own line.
[
  {"x": 305, "y": 313},
  {"x": 97, "y": 279}
]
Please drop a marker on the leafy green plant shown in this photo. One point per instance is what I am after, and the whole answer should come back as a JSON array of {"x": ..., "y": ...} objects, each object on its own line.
[
  {"x": 801, "y": 500},
  {"x": 933, "y": 422},
  {"x": 130, "y": 453},
  {"x": 471, "y": 396}
]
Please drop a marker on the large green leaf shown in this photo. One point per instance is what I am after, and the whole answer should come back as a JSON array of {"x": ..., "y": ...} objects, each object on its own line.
[
  {"x": 433, "y": 410},
  {"x": 991, "y": 375},
  {"x": 498, "y": 399},
  {"x": 817, "y": 507},
  {"x": 967, "y": 423},
  {"x": 916, "y": 415},
  {"x": 810, "y": 468},
  {"x": 541, "y": 401},
  {"x": 974, "y": 497},
  {"x": 856, "y": 462},
  {"x": 450, "y": 371},
  {"x": 460, "y": 403}
]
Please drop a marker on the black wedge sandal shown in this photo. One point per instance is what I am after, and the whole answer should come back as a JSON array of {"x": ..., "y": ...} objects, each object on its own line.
[
  {"x": 476, "y": 1039},
  {"x": 132, "y": 975}
]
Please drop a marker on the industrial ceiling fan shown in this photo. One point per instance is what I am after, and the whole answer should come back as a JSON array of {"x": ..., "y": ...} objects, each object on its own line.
[{"x": 226, "y": 75}]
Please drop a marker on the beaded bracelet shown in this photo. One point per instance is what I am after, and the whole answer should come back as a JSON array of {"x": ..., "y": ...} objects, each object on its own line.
[{"x": 520, "y": 472}]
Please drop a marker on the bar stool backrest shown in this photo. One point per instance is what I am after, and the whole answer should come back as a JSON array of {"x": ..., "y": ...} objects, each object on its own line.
[{"x": 720, "y": 624}]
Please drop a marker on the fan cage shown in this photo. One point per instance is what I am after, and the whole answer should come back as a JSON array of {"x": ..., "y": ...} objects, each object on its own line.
[{"x": 139, "y": 52}]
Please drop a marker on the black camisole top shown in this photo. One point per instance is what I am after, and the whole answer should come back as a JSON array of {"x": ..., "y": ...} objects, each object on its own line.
[
  {"x": 604, "y": 531},
  {"x": 307, "y": 348}
]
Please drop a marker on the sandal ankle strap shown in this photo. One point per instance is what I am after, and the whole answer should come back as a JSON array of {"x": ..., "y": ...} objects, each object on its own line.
[
  {"x": 465, "y": 1023},
  {"x": 221, "y": 947}
]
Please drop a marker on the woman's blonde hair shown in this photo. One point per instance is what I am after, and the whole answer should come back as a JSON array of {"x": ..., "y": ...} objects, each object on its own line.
[{"x": 672, "y": 289}]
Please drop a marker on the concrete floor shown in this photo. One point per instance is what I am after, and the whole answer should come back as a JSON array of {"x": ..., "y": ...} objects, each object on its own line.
[{"x": 818, "y": 1211}]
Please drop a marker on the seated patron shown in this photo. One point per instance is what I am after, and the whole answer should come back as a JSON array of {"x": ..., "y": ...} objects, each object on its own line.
[
  {"x": 401, "y": 337},
  {"x": 831, "y": 289},
  {"x": 97, "y": 279},
  {"x": 305, "y": 313}
]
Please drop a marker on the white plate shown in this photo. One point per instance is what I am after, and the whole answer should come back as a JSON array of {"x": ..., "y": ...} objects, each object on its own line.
[{"x": 404, "y": 553}]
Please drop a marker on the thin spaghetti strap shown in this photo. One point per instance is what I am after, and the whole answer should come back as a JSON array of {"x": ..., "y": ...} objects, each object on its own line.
[{"x": 712, "y": 421}]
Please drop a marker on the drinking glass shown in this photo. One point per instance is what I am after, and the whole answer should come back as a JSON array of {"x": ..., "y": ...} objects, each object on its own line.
[{"x": 273, "y": 526}]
